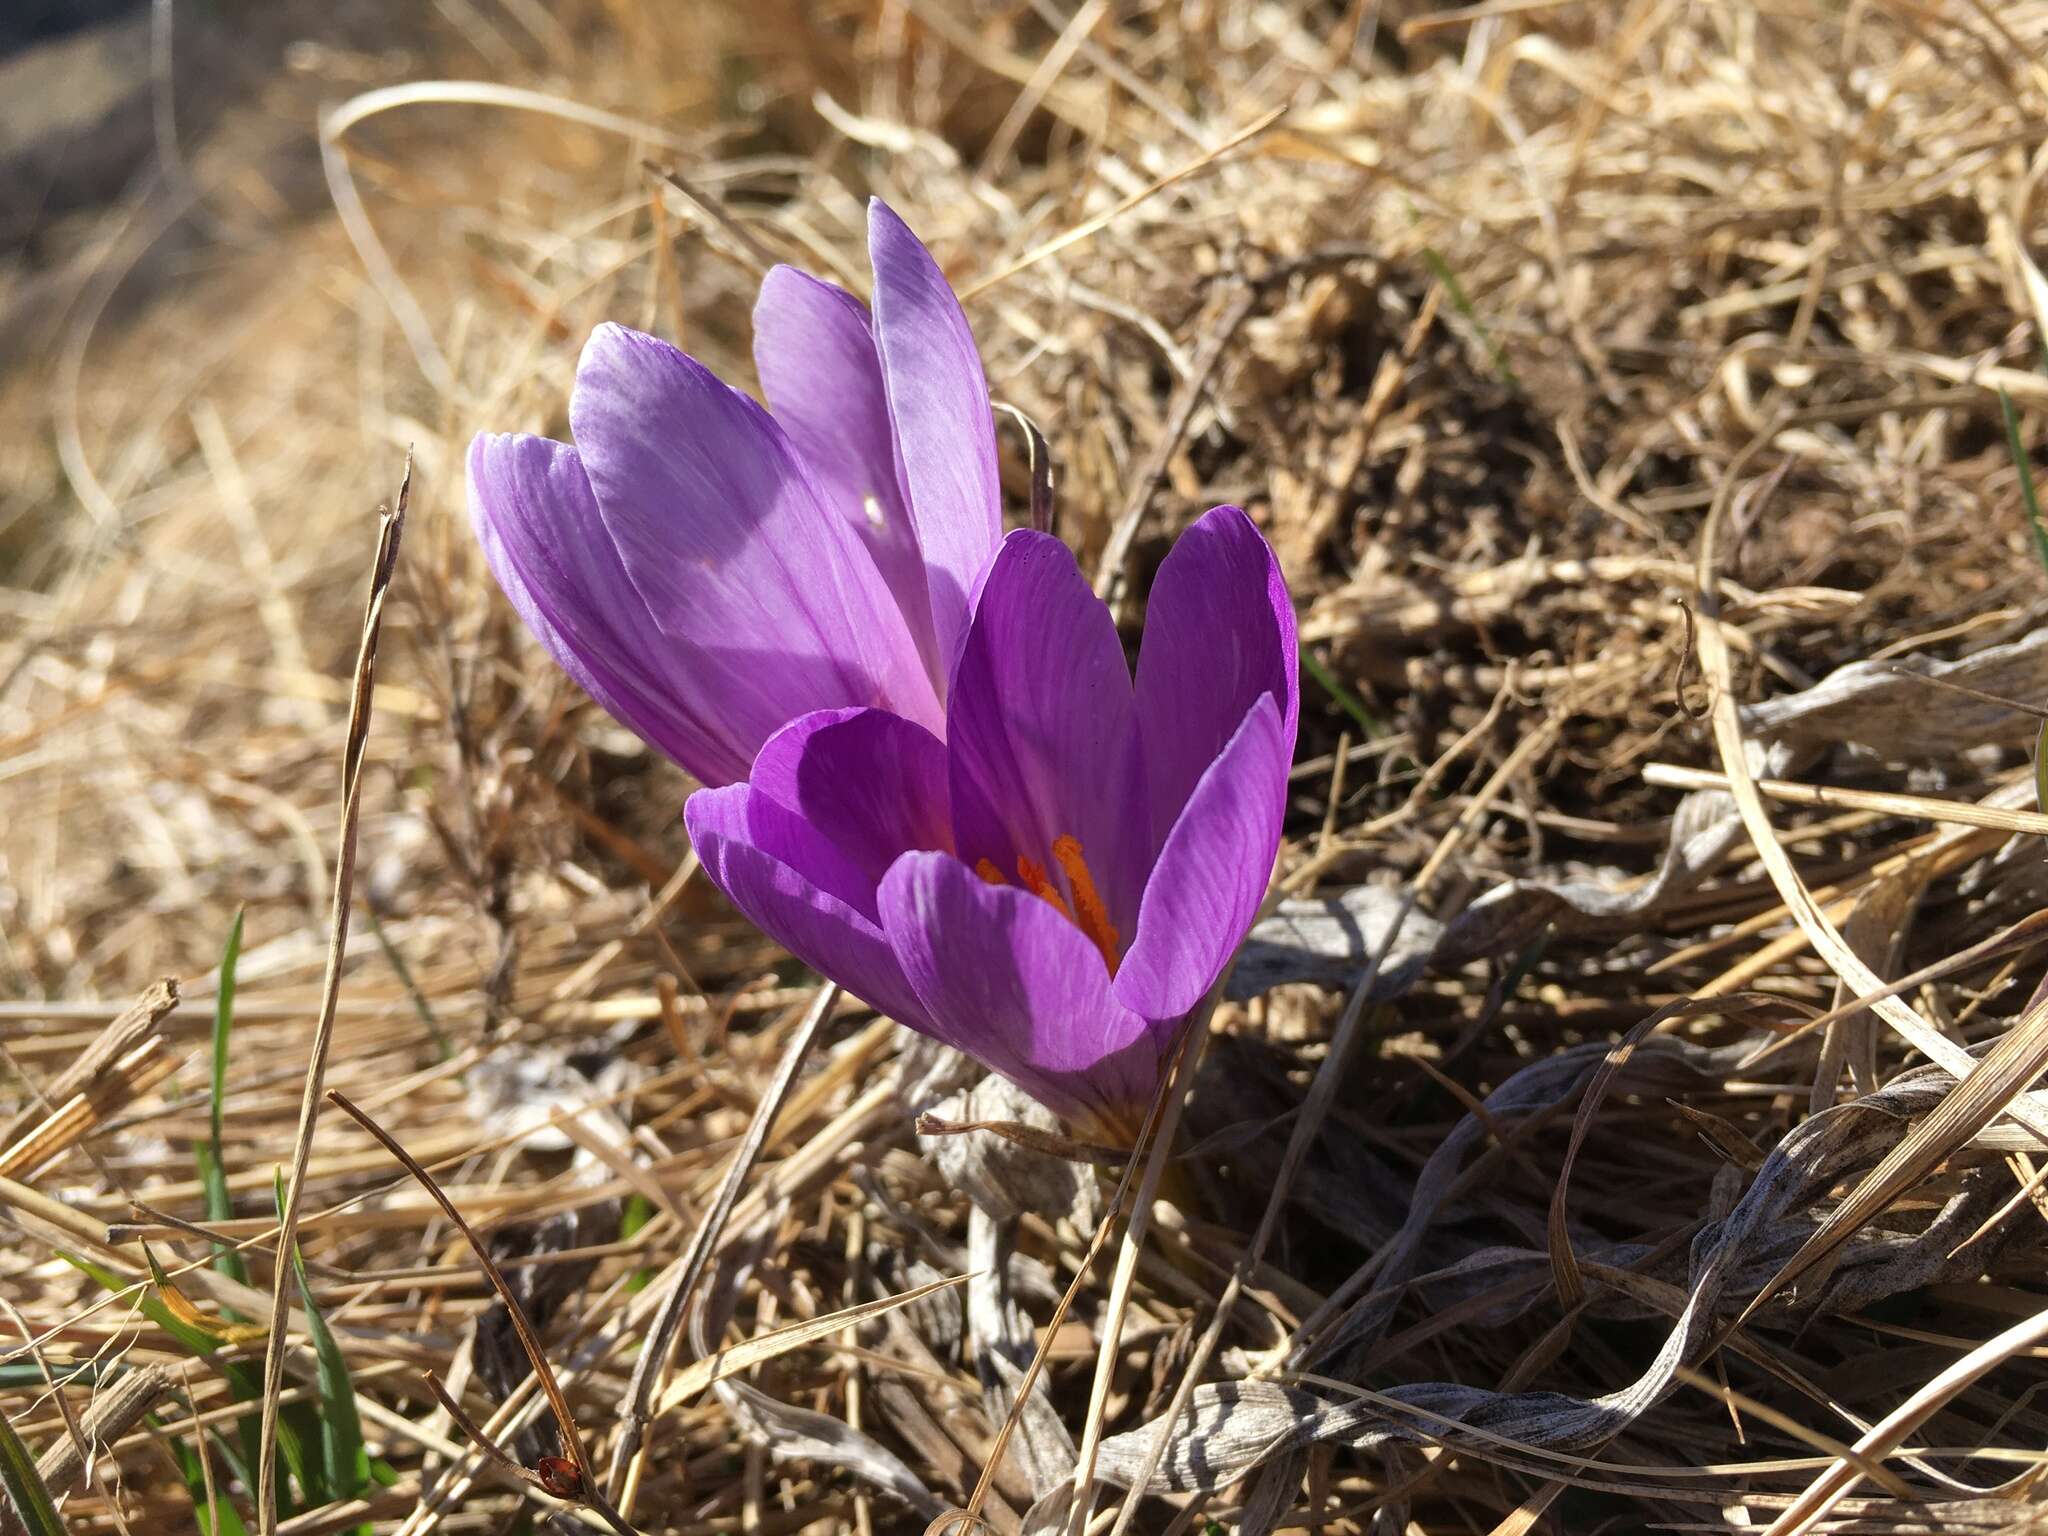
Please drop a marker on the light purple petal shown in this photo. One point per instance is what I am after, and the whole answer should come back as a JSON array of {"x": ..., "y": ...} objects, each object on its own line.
[
  {"x": 544, "y": 540},
  {"x": 720, "y": 531},
  {"x": 1005, "y": 978},
  {"x": 870, "y": 783},
  {"x": 1040, "y": 730},
  {"x": 1219, "y": 633},
  {"x": 1212, "y": 873},
  {"x": 795, "y": 886},
  {"x": 938, "y": 400},
  {"x": 814, "y": 348}
]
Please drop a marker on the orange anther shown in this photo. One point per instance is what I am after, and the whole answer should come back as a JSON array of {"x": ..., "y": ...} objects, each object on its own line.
[
  {"x": 1090, "y": 915},
  {"x": 1032, "y": 874},
  {"x": 986, "y": 868}
]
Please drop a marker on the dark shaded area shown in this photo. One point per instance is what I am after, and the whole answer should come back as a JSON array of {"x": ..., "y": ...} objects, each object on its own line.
[{"x": 34, "y": 21}]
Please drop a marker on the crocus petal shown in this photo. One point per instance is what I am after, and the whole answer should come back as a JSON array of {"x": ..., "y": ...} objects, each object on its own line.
[
  {"x": 814, "y": 348},
  {"x": 795, "y": 886},
  {"x": 1212, "y": 873},
  {"x": 721, "y": 533},
  {"x": 870, "y": 783},
  {"x": 1040, "y": 730},
  {"x": 1219, "y": 633},
  {"x": 938, "y": 400},
  {"x": 1005, "y": 978},
  {"x": 545, "y": 541}
]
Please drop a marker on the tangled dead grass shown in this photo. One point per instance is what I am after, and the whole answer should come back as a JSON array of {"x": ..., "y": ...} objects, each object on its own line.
[{"x": 1609, "y": 379}]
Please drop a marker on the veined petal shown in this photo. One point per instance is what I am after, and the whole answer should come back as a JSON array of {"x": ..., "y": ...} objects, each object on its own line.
[
  {"x": 798, "y": 889},
  {"x": 938, "y": 401},
  {"x": 1005, "y": 978},
  {"x": 814, "y": 348},
  {"x": 721, "y": 533},
  {"x": 870, "y": 783},
  {"x": 544, "y": 540},
  {"x": 1212, "y": 873},
  {"x": 1040, "y": 733},
  {"x": 1219, "y": 634}
]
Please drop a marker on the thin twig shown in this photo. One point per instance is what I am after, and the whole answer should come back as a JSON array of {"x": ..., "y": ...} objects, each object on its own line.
[
  {"x": 583, "y": 1489},
  {"x": 1109, "y": 572},
  {"x": 391, "y": 528}
]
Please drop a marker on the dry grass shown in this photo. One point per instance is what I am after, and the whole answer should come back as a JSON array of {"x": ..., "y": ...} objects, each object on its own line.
[{"x": 1596, "y": 370}]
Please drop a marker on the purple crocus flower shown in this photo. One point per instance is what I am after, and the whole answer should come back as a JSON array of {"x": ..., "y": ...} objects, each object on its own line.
[
  {"x": 932, "y": 776},
  {"x": 1052, "y": 886},
  {"x": 709, "y": 572}
]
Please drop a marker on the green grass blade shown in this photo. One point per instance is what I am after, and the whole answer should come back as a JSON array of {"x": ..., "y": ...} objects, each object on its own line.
[
  {"x": 1463, "y": 305},
  {"x": 194, "y": 1477},
  {"x": 639, "y": 1210},
  {"x": 1312, "y": 664},
  {"x": 224, "y": 1021},
  {"x": 213, "y": 1178},
  {"x": 2029, "y": 498},
  {"x": 212, "y": 1161},
  {"x": 245, "y": 1381},
  {"x": 397, "y": 963},
  {"x": 346, "y": 1462},
  {"x": 33, "y": 1506},
  {"x": 150, "y": 1306}
]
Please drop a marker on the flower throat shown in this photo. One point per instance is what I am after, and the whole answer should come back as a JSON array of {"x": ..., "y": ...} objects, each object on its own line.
[{"x": 1087, "y": 912}]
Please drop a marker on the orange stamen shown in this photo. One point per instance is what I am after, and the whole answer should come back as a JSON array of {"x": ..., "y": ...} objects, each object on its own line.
[
  {"x": 986, "y": 868},
  {"x": 1090, "y": 915},
  {"x": 1031, "y": 874}
]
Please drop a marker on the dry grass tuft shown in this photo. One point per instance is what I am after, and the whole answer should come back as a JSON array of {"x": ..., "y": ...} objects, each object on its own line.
[{"x": 1609, "y": 378}]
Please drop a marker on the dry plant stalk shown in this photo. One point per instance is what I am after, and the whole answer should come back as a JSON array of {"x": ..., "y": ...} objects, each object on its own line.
[{"x": 383, "y": 567}]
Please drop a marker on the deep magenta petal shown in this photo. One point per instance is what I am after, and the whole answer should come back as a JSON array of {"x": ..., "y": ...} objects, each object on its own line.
[
  {"x": 1006, "y": 979},
  {"x": 870, "y": 783},
  {"x": 1211, "y": 876},
  {"x": 720, "y": 531},
  {"x": 945, "y": 432},
  {"x": 814, "y": 348},
  {"x": 1219, "y": 635},
  {"x": 544, "y": 540},
  {"x": 1041, "y": 735},
  {"x": 800, "y": 891}
]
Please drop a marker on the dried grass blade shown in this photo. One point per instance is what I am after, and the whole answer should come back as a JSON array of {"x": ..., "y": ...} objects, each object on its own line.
[
  {"x": 659, "y": 1343},
  {"x": 1309, "y": 1125},
  {"x": 78, "y": 1116},
  {"x": 584, "y": 1489},
  {"x": 116, "y": 1408},
  {"x": 2028, "y": 930},
  {"x": 1109, "y": 571},
  {"x": 2019, "y": 1057},
  {"x": 138, "y": 1022},
  {"x": 1103, "y": 220},
  {"x": 1162, "y": 1124},
  {"x": 701, "y": 1374},
  {"x": 960, "y": 1522},
  {"x": 1884, "y": 1437},
  {"x": 391, "y": 529},
  {"x": 1959, "y": 813},
  {"x": 1564, "y": 1264},
  {"x": 1827, "y": 940},
  {"x": 1052, "y": 1144}
]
